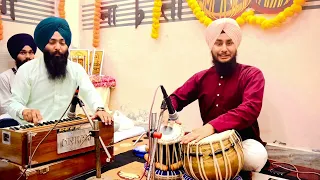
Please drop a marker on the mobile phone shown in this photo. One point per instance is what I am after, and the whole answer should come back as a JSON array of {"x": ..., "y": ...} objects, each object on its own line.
[{"x": 278, "y": 171}]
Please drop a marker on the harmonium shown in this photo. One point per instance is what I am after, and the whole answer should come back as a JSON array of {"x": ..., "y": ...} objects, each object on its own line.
[{"x": 67, "y": 151}]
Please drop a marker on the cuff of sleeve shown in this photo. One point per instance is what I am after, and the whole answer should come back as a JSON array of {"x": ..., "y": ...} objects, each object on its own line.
[
  {"x": 218, "y": 127},
  {"x": 19, "y": 113}
]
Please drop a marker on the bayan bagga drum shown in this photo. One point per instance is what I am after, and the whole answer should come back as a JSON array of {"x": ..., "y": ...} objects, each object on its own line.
[{"x": 216, "y": 157}]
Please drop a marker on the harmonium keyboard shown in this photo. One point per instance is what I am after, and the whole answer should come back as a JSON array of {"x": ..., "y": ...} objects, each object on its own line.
[{"x": 67, "y": 146}]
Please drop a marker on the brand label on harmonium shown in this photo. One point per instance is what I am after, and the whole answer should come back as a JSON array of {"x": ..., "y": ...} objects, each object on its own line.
[{"x": 74, "y": 140}]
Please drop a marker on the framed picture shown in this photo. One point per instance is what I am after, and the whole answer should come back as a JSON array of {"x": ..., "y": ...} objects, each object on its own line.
[
  {"x": 96, "y": 68},
  {"x": 80, "y": 56},
  {"x": 90, "y": 62}
]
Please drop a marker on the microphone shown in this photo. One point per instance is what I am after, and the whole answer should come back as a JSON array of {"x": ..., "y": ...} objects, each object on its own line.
[
  {"x": 74, "y": 102},
  {"x": 173, "y": 115}
]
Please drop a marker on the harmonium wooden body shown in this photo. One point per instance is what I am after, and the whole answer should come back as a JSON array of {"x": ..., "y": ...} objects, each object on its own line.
[{"x": 67, "y": 151}]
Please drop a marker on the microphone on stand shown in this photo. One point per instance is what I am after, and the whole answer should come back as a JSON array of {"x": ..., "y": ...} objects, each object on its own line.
[
  {"x": 74, "y": 102},
  {"x": 173, "y": 115}
]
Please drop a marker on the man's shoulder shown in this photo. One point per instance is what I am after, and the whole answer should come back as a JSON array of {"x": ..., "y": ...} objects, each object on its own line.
[
  {"x": 74, "y": 65},
  {"x": 202, "y": 72},
  {"x": 249, "y": 69},
  {"x": 6, "y": 74},
  {"x": 76, "y": 69}
]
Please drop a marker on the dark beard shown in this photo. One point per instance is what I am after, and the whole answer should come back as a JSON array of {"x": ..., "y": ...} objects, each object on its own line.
[
  {"x": 20, "y": 63},
  {"x": 225, "y": 68},
  {"x": 56, "y": 65}
]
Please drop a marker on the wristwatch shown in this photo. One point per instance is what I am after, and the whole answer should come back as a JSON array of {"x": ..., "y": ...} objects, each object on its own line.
[{"x": 100, "y": 109}]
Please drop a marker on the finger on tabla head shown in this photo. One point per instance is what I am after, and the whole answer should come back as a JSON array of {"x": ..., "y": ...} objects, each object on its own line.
[{"x": 108, "y": 120}]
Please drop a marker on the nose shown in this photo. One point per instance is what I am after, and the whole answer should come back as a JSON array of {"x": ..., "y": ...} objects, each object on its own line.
[
  {"x": 57, "y": 47},
  {"x": 224, "y": 48}
]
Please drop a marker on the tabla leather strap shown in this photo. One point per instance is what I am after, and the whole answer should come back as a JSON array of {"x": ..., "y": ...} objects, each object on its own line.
[{"x": 14, "y": 70}]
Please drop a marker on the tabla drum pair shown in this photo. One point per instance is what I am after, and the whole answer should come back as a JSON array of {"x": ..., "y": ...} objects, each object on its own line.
[{"x": 215, "y": 157}]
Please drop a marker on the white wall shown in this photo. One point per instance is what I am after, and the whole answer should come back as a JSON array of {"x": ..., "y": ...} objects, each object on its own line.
[
  {"x": 27, "y": 14},
  {"x": 287, "y": 56}
]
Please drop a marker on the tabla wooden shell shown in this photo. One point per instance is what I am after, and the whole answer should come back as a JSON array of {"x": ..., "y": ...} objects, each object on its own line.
[
  {"x": 168, "y": 157},
  {"x": 216, "y": 157},
  {"x": 169, "y": 149}
]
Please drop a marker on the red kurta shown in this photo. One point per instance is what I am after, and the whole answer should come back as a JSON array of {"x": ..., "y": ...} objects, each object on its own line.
[{"x": 226, "y": 103}]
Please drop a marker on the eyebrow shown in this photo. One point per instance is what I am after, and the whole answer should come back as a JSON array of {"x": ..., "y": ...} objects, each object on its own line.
[
  {"x": 222, "y": 40},
  {"x": 52, "y": 39},
  {"x": 26, "y": 50}
]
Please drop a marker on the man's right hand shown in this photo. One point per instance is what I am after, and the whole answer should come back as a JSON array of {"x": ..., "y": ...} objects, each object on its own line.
[{"x": 32, "y": 115}]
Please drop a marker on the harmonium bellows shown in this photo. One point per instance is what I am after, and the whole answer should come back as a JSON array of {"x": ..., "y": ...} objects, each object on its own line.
[{"x": 69, "y": 137}]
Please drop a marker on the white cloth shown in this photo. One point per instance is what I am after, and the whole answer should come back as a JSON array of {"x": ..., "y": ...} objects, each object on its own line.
[
  {"x": 255, "y": 155},
  {"x": 33, "y": 89},
  {"x": 129, "y": 133},
  {"x": 6, "y": 80},
  {"x": 124, "y": 122}
]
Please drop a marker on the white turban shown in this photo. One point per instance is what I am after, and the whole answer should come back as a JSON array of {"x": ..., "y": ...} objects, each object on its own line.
[{"x": 229, "y": 26}]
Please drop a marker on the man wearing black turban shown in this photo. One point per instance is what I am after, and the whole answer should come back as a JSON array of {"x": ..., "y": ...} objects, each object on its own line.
[
  {"x": 46, "y": 85},
  {"x": 21, "y": 48}
]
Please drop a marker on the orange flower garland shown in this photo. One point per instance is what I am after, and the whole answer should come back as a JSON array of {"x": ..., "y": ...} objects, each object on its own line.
[
  {"x": 61, "y": 10},
  {"x": 1, "y": 28},
  {"x": 96, "y": 24}
]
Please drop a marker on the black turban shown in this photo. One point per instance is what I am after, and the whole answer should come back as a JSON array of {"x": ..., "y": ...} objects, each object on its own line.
[{"x": 17, "y": 42}]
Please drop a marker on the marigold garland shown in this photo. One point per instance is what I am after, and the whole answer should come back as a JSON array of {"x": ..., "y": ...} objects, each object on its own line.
[
  {"x": 96, "y": 24},
  {"x": 250, "y": 17},
  {"x": 156, "y": 13},
  {"x": 200, "y": 15},
  {"x": 61, "y": 10},
  {"x": 1, "y": 28}
]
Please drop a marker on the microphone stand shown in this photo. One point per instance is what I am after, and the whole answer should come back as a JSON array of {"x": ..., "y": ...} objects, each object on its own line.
[
  {"x": 95, "y": 132},
  {"x": 154, "y": 135}
]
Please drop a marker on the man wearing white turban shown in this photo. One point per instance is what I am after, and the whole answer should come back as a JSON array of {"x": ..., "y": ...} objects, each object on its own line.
[{"x": 230, "y": 94}]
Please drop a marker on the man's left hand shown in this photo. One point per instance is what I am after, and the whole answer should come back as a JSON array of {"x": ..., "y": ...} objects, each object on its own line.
[
  {"x": 198, "y": 134},
  {"x": 104, "y": 116}
]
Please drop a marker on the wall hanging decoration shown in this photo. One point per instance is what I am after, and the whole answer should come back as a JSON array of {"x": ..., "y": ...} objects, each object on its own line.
[
  {"x": 244, "y": 12},
  {"x": 61, "y": 10},
  {"x": 1, "y": 28},
  {"x": 250, "y": 12},
  {"x": 96, "y": 23},
  {"x": 156, "y": 13},
  {"x": 81, "y": 56}
]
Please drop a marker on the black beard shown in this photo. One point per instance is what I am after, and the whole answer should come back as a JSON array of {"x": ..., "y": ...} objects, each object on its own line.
[
  {"x": 20, "y": 63},
  {"x": 225, "y": 68},
  {"x": 56, "y": 65}
]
